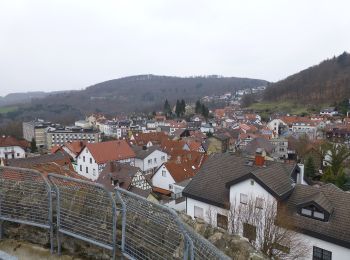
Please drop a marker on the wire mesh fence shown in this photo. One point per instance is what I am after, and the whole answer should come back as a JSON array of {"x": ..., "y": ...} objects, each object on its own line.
[
  {"x": 25, "y": 197},
  {"x": 153, "y": 231},
  {"x": 86, "y": 211},
  {"x": 89, "y": 212}
]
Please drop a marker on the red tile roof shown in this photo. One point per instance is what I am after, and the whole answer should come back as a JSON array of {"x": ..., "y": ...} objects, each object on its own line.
[
  {"x": 11, "y": 141},
  {"x": 76, "y": 147},
  {"x": 144, "y": 138},
  {"x": 161, "y": 191},
  {"x": 110, "y": 151}
]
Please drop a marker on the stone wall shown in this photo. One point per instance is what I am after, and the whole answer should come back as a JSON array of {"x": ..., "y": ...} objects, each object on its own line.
[
  {"x": 233, "y": 246},
  {"x": 40, "y": 236}
]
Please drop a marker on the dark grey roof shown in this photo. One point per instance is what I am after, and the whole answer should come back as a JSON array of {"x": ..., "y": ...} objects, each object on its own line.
[
  {"x": 320, "y": 199},
  {"x": 220, "y": 171},
  {"x": 337, "y": 228},
  {"x": 26, "y": 162},
  {"x": 142, "y": 153},
  {"x": 258, "y": 143}
]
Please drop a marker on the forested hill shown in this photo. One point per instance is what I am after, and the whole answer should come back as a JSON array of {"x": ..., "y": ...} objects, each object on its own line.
[
  {"x": 146, "y": 92},
  {"x": 143, "y": 93},
  {"x": 327, "y": 82}
]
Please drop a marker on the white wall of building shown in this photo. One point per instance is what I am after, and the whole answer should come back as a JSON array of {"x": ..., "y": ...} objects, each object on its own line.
[
  {"x": 162, "y": 178},
  {"x": 13, "y": 152},
  {"x": 209, "y": 211},
  {"x": 251, "y": 188},
  {"x": 338, "y": 252},
  {"x": 153, "y": 160},
  {"x": 87, "y": 165}
]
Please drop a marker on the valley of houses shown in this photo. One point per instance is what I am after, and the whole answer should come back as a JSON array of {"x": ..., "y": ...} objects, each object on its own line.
[{"x": 204, "y": 167}]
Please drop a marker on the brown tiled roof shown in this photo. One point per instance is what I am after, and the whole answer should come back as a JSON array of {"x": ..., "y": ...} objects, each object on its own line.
[
  {"x": 220, "y": 171},
  {"x": 123, "y": 173},
  {"x": 76, "y": 147},
  {"x": 258, "y": 143},
  {"x": 140, "y": 192},
  {"x": 110, "y": 151},
  {"x": 161, "y": 191},
  {"x": 169, "y": 146},
  {"x": 142, "y": 153},
  {"x": 144, "y": 138},
  {"x": 11, "y": 141},
  {"x": 337, "y": 228},
  {"x": 59, "y": 158},
  {"x": 180, "y": 171}
]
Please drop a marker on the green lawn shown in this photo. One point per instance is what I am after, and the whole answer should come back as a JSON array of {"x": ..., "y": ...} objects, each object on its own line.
[{"x": 4, "y": 110}]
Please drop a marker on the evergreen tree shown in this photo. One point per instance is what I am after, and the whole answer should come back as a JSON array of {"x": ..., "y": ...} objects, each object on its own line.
[
  {"x": 167, "y": 108},
  {"x": 198, "y": 108},
  {"x": 310, "y": 167},
  {"x": 178, "y": 108},
  {"x": 183, "y": 107},
  {"x": 33, "y": 147},
  {"x": 205, "y": 111}
]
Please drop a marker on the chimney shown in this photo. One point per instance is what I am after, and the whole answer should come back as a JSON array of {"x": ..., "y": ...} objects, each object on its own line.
[
  {"x": 300, "y": 176},
  {"x": 259, "y": 157},
  {"x": 178, "y": 159}
]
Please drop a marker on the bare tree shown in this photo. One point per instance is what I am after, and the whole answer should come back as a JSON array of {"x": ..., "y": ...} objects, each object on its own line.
[{"x": 268, "y": 228}]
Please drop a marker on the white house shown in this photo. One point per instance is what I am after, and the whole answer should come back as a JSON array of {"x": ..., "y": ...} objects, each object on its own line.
[
  {"x": 170, "y": 173},
  {"x": 329, "y": 111},
  {"x": 93, "y": 158},
  {"x": 319, "y": 213},
  {"x": 276, "y": 125},
  {"x": 149, "y": 159},
  {"x": 11, "y": 148}
]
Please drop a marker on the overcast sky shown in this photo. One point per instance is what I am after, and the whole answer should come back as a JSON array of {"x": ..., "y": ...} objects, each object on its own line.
[{"x": 69, "y": 44}]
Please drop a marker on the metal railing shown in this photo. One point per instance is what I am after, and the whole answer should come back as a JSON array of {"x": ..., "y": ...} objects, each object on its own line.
[
  {"x": 25, "y": 197},
  {"x": 86, "y": 211},
  {"x": 153, "y": 231}
]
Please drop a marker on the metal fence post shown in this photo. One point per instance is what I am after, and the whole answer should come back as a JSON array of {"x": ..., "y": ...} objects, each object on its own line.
[
  {"x": 123, "y": 220},
  {"x": 25, "y": 198},
  {"x": 80, "y": 205}
]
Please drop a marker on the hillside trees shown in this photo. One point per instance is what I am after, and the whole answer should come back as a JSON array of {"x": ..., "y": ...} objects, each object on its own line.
[{"x": 335, "y": 157}]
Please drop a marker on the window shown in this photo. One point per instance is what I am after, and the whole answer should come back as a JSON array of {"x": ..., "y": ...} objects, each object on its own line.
[
  {"x": 83, "y": 158},
  {"x": 243, "y": 198},
  {"x": 259, "y": 203},
  {"x": 221, "y": 221},
  {"x": 198, "y": 212},
  {"x": 155, "y": 160},
  {"x": 251, "y": 182},
  {"x": 87, "y": 170},
  {"x": 249, "y": 231},
  {"x": 17, "y": 154},
  {"x": 313, "y": 212},
  {"x": 164, "y": 173},
  {"x": 81, "y": 167},
  {"x": 94, "y": 172},
  {"x": 321, "y": 254},
  {"x": 170, "y": 186},
  {"x": 150, "y": 161},
  {"x": 163, "y": 158},
  {"x": 90, "y": 160}
]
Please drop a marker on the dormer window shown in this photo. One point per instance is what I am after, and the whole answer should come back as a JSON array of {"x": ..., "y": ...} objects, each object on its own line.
[
  {"x": 313, "y": 212},
  {"x": 317, "y": 207}
]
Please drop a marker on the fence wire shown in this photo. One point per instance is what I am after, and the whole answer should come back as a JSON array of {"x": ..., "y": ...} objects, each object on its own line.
[
  {"x": 153, "y": 231},
  {"x": 25, "y": 197},
  {"x": 86, "y": 211}
]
